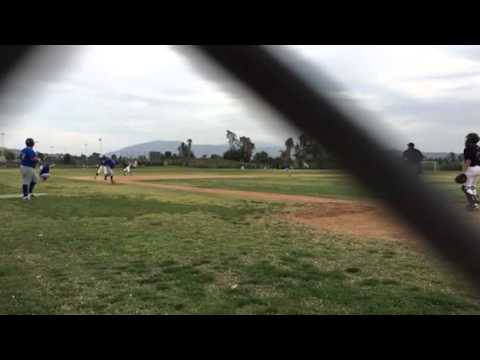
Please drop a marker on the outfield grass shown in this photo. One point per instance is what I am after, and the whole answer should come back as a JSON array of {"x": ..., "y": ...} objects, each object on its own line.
[
  {"x": 91, "y": 248},
  {"x": 336, "y": 186}
]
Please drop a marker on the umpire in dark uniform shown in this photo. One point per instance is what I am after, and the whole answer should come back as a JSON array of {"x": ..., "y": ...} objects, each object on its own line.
[{"x": 413, "y": 158}]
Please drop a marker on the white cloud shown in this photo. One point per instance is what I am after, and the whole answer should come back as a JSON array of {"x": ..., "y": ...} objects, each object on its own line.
[{"x": 131, "y": 94}]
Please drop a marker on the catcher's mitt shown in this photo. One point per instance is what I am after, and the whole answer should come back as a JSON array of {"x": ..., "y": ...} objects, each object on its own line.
[{"x": 460, "y": 178}]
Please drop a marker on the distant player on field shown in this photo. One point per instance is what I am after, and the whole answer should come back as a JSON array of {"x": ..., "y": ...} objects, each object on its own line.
[
  {"x": 28, "y": 161},
  {"x": 45, "y": 170},
  {"x": 413, "y": 157},
  {"x": 100, "y": 166},
  {"x": 127, "y": 169},
  {"x": 108, "y": 165}
]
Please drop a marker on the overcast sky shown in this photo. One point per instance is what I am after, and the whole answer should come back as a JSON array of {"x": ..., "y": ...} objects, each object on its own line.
[{"x": 131, "y": 94}]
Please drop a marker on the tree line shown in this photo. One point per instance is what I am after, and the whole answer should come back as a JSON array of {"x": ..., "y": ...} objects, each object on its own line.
[{"x": 304, "y": 153}]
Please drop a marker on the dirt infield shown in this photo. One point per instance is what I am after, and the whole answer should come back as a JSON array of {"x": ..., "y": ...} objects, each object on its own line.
[{"x": 360, "y": 218}]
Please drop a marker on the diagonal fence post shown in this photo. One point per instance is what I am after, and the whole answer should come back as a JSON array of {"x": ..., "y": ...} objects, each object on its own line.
[{"x": 306, "y": 105}]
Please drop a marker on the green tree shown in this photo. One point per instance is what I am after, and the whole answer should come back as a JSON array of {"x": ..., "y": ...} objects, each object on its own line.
[
  {"x": 233, "y": 154},
  {"x": 289, "y": 144},
  {"x": 182, "y": 150},
  {"x": 452, "y": 157},
  {"x": 9, "y": 156},
  {"x": 309, "y": 149},
  {"x": 246, "y": 148},
  {"x": 67, "y": 159},
  {"x": 261, "y": 158}
]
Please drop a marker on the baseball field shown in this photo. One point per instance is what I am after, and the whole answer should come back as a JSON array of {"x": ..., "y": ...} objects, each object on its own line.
[{"x": 172, "y": 240}]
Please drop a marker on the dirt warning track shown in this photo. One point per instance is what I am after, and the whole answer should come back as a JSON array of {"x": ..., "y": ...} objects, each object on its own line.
[{"x": 359, "y": 218}]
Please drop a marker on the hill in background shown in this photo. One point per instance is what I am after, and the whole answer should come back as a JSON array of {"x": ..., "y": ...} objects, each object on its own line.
[{"x": 198, "y": 149}]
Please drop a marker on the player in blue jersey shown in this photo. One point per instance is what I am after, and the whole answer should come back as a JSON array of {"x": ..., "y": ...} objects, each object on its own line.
[
  {"x": 28, "y": 161},
  {"x": 45, "y": 170},
  {"x": 100, "y": 166},
  {"x": 108, "y": 165}
]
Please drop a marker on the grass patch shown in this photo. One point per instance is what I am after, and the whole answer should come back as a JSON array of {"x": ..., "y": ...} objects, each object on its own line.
[{"x": 89, "y": 248}]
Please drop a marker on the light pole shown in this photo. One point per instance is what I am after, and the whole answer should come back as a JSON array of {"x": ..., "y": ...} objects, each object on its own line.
[
  {"x": 100, "y": 143},
  {"x": 3, "y": 139}
]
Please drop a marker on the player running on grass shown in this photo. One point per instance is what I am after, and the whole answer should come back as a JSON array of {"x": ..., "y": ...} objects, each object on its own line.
[{"x": 28, "y": 161}]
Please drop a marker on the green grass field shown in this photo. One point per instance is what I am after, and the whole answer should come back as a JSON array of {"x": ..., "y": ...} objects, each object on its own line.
[{"x": 91, "y": 248}]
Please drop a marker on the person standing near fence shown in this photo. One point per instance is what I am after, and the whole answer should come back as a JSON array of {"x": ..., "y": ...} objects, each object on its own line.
[
  {"x": 413, "y": 157},
  {"x": 28, "y": 161}
]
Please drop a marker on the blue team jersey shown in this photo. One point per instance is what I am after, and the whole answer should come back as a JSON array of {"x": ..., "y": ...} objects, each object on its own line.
[
  {"x": 45, "y": 169},
  {"x": 110, "y": 163},
  {"x": 27, "y": 155}
]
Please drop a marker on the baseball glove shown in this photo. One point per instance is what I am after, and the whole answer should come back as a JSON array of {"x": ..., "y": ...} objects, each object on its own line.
[{"x": 460, "y": 178}]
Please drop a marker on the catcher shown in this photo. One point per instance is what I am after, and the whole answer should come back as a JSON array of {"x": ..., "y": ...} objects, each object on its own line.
[{"x": 471, "y": 170}]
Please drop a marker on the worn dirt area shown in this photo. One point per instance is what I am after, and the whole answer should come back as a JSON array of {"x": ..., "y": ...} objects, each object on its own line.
[
  {"x": 372, "y": 220},
  {"x": 359, "y": 218}
]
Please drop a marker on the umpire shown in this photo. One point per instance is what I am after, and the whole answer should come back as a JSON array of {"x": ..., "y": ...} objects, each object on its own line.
[
  {"x": 413, "y": 158},
  {"x": 29, "y": 160}
]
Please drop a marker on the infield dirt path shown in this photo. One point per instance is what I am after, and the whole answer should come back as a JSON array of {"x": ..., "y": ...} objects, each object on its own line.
[{"x": 361, "y": 218}]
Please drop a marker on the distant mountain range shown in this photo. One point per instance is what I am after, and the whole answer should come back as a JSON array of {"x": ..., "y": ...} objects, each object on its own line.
[
  {"x": 205, "y": 149},
  {"x": 201, "y": 149},
  {"x": 198, "y": 149}
]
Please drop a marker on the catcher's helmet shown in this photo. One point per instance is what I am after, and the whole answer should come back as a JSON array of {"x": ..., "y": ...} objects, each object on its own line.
[
  {"x": 29, "y": 142},
  {"x": 472, "y": 138}
]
